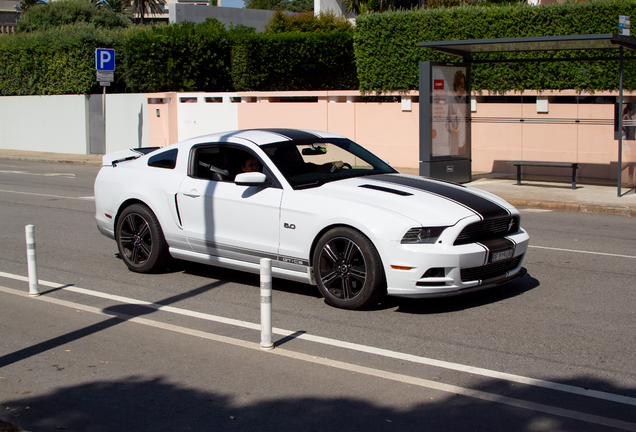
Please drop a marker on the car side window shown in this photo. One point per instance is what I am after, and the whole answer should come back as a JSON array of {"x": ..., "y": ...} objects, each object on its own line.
[
  {"x": 166, "y": 159},
  {"x": 224, "y": 163},
  {"x": 211, "y": 163}
]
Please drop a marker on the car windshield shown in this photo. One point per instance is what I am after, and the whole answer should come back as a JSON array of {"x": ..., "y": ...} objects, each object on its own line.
[{"x": 311, "y": 164}]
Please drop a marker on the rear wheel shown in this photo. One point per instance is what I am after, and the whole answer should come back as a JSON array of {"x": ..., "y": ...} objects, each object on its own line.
[
  {"x": 348, "y": 269},
  {"x": 140, "y": 239}
]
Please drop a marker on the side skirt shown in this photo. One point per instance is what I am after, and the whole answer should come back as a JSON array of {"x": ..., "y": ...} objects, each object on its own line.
[{"x": 296, "y": 276}]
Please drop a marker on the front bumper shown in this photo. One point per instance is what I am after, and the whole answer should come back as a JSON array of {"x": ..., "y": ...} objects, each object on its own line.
[{"x": 456, "y": 269}]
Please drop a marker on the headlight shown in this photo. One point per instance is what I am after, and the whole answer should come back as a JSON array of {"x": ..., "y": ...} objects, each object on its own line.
[{"x": 423, "y": 235}]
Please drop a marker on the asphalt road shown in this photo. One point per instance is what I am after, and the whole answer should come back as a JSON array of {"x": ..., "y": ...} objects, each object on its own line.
[{"x": 553, "y": 351}]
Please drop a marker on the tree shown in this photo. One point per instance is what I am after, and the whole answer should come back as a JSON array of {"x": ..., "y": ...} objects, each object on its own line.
[
  {"x": 307, "y": 22},
  {"x": 285, "y": 5},
  {"x": 118, "y": 6},
  {"x": 26, "y": 4},
  {"x": 70, "y": 12},
  {"x": 142, "y": 7}
]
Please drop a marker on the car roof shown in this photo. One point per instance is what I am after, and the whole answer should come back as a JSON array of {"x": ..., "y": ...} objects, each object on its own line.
[{"x": 265, "y": 136}]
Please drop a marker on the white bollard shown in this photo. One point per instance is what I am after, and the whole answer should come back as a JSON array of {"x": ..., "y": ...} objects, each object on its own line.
[
  {"x": 266, "y": 304},
  {"x": 33, "y": 272}
]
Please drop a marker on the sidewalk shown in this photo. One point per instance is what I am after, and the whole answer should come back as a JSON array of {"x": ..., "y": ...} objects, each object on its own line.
[
  {"x": 557, "y": 194},
  {"x": 551, "y": 193}
]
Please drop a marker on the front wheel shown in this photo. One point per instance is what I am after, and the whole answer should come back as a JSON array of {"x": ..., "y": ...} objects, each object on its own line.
[
  {"x": 140, "y": 239},
  {"x": 348, "y": 269}
]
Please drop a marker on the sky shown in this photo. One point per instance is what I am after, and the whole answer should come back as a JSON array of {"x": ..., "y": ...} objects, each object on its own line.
[{"x": 232, "y": 3}]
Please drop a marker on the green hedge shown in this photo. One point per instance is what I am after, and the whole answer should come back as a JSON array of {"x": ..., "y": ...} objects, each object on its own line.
[
  {"x": 178, "y": 57},
  {"x": 294, "y": 61},
  {"x": 58, "y": 61},
  {"x": 380, "y": 55},
  {"x": 387, "y": 53}
]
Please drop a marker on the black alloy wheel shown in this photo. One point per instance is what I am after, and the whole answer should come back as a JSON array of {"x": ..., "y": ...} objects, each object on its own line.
[
  {"x": 140, "y": 239},
  {"x": 348, "y": 269}
]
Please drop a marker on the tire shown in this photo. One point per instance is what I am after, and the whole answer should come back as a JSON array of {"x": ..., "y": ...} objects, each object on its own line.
[
  {"x": 140, "y": 239},
  {"x": 348, "y": 269}
]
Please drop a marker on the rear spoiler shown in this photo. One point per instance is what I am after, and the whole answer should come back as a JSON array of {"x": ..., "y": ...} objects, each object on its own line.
[{"x": 126, "y": 155}]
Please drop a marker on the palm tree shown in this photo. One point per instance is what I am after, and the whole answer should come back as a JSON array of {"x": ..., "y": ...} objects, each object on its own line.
[
  {"x": 116, "y": 5},
  {"x": 141, "y": 7},
  {"x": 26, "y": 4}
]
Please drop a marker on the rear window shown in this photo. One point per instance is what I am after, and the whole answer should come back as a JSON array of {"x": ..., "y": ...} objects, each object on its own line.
[{"x": 166, "y": 159}]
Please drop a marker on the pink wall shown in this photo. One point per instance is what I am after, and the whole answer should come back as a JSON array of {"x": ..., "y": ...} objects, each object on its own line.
[
  {"x": 390, "y": 129},
  {"x": 162, "y": 119},
  {"x": 383, "y": 128}
]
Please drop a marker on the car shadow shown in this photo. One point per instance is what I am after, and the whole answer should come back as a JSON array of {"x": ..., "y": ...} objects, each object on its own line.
[{"x": 404, "y": 305}]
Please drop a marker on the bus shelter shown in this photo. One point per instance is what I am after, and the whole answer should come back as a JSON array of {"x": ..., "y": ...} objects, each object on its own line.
[{"x": 445, "y": 132}]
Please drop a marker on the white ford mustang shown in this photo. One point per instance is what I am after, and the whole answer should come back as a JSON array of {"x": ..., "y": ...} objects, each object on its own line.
[{"x": 321, "y": 207}]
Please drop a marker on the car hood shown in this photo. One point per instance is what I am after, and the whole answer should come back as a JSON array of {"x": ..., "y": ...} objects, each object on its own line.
[{"x": 428, "y": 201}]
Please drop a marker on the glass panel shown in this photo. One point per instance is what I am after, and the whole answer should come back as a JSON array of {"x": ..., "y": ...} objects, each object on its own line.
[{"x": 450, "y": 110}]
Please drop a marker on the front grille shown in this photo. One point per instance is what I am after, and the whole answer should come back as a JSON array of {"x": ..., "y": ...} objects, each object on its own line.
[
  {"x": 487, "y": 230},
  {"x": 490, "y": 271}
]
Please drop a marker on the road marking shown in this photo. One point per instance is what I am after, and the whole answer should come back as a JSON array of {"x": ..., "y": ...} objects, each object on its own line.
[
  {"x": 67, "y": 175},
  {"x": 348, "y": 345},
  {"x": 531, "y": 210},
  {"x": 378, "y": 373},
  {"x": 89, "y": 198},
  {"x": 583, "y": 252}
]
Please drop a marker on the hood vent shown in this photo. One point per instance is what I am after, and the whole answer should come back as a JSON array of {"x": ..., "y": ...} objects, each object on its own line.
[{"x": 386, "y": 189}]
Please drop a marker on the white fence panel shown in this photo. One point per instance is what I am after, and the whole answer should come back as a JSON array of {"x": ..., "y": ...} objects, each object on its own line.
[
  {"x": 126, "y": 121},
  {"x": 55, "y": 124},
  {"x": 205, "y": 113}
]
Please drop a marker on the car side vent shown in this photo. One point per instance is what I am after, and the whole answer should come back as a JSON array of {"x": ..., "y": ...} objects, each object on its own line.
[{"x": 386, "y": 189}]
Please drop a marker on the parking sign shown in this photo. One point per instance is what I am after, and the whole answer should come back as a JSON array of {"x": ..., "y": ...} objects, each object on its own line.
[{"x": 105, "y": 59}]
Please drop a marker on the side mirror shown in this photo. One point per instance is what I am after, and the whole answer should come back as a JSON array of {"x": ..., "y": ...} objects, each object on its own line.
[{"x": 252, "y": 179}]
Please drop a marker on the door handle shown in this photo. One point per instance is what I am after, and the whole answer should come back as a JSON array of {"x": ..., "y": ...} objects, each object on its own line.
[{"x": 193, "y": 193}]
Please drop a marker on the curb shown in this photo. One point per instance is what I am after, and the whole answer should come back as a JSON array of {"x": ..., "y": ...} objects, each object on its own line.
[{"x": 572, "y": 207}]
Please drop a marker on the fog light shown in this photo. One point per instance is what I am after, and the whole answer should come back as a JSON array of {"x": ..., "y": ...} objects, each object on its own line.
[{"x": 434, "y": 272}]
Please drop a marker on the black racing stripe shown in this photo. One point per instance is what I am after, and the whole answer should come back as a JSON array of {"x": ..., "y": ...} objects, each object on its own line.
[
  {"x": 498, "y": 245},
  {"x": 482, "y": 206},
  {"x": 293, "y": 134}
]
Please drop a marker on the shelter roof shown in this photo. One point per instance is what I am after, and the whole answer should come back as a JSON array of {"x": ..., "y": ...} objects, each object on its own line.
[{"x": 465, "y": 48}]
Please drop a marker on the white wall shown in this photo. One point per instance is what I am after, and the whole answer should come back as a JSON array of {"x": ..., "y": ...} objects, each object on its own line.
[
  {"x": 336, "y": 7},
  {"x": 55, "y": 124},
  {"x": 126, "y": 121},
  {"x": 59, "y": 124},
  {"x": 205, "y": 115}
]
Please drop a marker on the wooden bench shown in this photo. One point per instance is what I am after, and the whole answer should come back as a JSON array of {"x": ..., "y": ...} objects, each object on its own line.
[{"x": 574, "y": 166}]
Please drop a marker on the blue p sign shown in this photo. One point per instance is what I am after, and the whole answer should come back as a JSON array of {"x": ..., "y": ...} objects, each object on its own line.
[{"x": 105, "y": 59}]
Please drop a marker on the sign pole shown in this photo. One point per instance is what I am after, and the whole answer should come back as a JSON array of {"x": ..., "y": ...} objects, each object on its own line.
[
  {"x": 104, "y": 115},
  {"x": 105, "y": 67},
  {"x": 620, "y": 121}
]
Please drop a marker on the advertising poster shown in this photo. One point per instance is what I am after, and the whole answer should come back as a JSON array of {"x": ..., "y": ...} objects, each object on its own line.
[{"x": 449, "y": 111}]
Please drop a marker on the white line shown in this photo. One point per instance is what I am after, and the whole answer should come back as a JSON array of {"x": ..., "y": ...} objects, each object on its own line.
[
  {"x": 378, "y": 373},
  {"x": 531, "y": 210},
  {"x": 583, "y": 252},
  {"x": 349, "y": 345},
  {"x": 49, "y": 196},
  {"x": 68, "y": 175}
]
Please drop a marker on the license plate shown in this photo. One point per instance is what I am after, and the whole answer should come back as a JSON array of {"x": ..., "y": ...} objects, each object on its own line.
[{"x": 500, "y": 256}]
